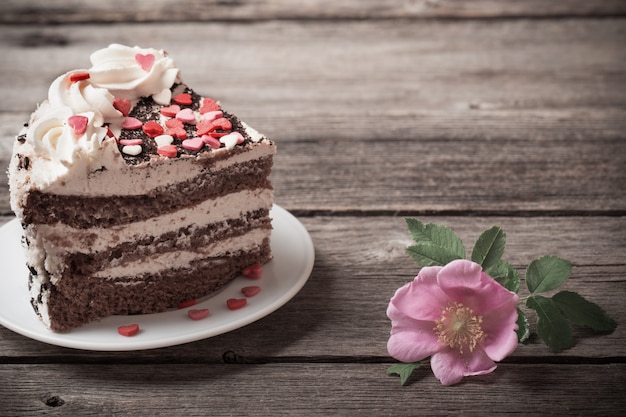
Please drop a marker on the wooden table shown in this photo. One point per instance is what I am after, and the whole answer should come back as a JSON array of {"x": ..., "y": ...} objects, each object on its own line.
[{"x": 469, "y": 114}]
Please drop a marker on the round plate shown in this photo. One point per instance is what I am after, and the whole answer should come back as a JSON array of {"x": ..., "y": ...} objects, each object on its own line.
[{"x": 283, "y": 277}]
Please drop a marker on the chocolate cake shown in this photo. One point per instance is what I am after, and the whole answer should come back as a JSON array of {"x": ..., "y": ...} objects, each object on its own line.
[{"x": 136, "y": 193}]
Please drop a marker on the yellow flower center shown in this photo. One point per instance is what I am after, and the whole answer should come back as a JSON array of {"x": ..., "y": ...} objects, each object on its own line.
[{"x": 459, "y": 328}]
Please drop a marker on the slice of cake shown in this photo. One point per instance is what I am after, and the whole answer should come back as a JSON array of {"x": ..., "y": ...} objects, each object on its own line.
[{"x": 135, "y": 192}]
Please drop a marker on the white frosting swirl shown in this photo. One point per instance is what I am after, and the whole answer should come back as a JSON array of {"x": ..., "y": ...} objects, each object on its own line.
[
  {"x": 82, "y": 96},
  {"x": 52, "y": 137},
  {"x": 117, "y": 69}
]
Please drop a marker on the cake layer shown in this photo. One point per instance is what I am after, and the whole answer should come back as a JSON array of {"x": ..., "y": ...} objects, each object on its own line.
[
  {"x": 129, "y": 270},
  {"x": 79, "y": 300},
  {"x": 108, "y": 211},
  {"x": 62, "y": 237},
  {"x": 202, "y": 241}
]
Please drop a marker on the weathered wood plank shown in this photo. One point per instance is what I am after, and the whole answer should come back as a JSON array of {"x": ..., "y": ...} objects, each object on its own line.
[
  {"x": 360, "y": 262},
  {"x": 48, "y": 12},
  {"x": 306, "y": 389},
  {"x": 378, "y": 70}
]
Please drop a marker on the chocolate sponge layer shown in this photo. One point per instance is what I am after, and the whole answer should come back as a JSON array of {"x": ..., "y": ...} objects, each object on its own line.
[
  {"x": 86, "y": 212},
  {"x": 76, "y": 300}
]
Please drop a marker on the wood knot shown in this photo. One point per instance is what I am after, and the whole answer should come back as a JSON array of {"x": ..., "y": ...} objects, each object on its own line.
[{"x": 54, "y": 401}]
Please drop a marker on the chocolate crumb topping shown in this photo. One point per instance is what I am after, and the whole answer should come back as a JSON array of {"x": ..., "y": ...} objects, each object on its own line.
[{"x": 147, "y": 109}]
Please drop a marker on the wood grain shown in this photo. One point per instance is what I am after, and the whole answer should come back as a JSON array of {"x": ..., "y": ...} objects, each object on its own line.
[
  {"x": 73, "y": 11},
  {"x": 321, "y": 389}
]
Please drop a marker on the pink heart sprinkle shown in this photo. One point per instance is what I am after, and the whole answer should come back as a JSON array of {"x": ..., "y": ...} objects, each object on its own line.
[
  {"x": 145, "y": 61},
  {"x": 211, "y": 141},
  {"x": 170, "y": 111},
  {"x": 194, "y": 144},
  {"x": 130, "y": 123},
  {"x": 212, "y": 115},
  {"x": 131, "y": 142},
  {"x": 198, "y": 314},
  {"x": 78, "y": 124},
  {"x": 186, "y": 116}
]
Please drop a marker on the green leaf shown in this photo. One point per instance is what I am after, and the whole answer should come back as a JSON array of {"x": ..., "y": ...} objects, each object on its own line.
[
  {"x": 547, "y": 273},
  {"x": 504, "y": 273},
  {"x": 583, "y": 312},
  {"x": 552, "y": 326},
  {"x": 426, "y": 254},
  {"x": 437, "y": 235},
  {"x": 489, "y": 247},
  {"x": 404, "y": 370},
  {"x": 523, "y": 331}
]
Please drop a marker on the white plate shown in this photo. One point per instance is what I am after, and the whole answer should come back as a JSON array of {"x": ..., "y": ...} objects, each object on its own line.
[{"x": 283, "y": 277}]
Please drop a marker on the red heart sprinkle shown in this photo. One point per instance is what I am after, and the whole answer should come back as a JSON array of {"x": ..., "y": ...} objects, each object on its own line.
[
  {"x": 145, "y": 61},
  {"x": 251, "y": 291},
  {"x": 152, "y": 129},
  {"x": 110, "y": 133},
  {"x": 222, "y": 123},
  {"x": 204, "y": 127},
  {"x": 183, "y": 98},
  {"x": 218, "y": 135},
  {"x": 208, "y": 104},
  {"x": 174, "y": 123},
  {"x": 187, "y": 303},
  {"x": 168, "y": 150},
  {"x": 128, "y": 331},
  {"x": 78, "y": 124},
  {"x": 198, "y": 314},
  {"x": 254, "y": 271},
  {"x": 177, "y": 132},
  {"x": 236, "y": 303},
  {"x": 170, "y": 111},
  {"x": 122, "y": 105},
  {"x": 79, "y": 76}
]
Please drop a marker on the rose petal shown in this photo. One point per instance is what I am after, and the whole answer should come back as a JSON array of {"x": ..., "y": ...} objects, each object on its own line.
[
  {"x": 460, "y": 277},
  {"x": 492, "y": 296},
  {"x": 447, "y": 367},
  {"x": 478, "y": 363},
  {"x": 411, "y": 340},
  {"x": 422, "y": 299},
  {"x": 499, "y": 326}
]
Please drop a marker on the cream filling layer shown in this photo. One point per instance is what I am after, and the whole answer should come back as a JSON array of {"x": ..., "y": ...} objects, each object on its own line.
[
  {"x": 182, "y": 259},
  {"x": 55, "y": 241}
]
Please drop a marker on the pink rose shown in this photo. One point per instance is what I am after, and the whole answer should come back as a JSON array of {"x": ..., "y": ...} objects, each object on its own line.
[{"x": 458, "y": 315}]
